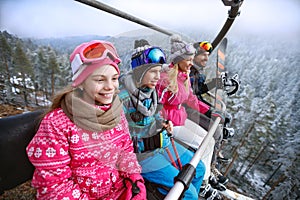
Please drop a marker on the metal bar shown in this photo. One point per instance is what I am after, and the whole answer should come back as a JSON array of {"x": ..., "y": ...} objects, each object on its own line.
[
  {"x": 178, "y": 187},
  {"x": 101, "y": 6},
  {"x": 119, "y": 13}
]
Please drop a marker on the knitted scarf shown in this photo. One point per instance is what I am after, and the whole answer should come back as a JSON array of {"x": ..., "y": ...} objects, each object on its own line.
[
  {"x": 137, "y": 96},
  {"x": 88, "y": 116}
]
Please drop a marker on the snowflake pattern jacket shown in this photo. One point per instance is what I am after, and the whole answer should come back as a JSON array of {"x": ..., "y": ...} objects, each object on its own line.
[{"x": 71, "y": 163}]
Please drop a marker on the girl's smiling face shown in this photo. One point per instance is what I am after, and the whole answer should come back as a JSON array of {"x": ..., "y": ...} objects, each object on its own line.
[
  {"x": 99, "y": 88},
  {"x": 186, "y": 64}
]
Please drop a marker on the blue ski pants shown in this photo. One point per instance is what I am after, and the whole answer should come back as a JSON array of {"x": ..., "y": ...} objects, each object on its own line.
[{"x": 159, "y": 169}]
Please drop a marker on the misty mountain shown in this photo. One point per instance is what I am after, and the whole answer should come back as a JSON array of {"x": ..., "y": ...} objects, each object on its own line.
[{"x": 67, "y": 44}]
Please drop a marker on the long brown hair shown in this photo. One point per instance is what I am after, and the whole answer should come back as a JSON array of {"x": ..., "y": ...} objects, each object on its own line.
[
  {"x": 56, "y": 103},
  {"x": 56, "y": 100}
]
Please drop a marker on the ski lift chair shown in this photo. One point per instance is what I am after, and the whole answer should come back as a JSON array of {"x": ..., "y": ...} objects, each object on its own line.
[{"x": 16, "y": 133}]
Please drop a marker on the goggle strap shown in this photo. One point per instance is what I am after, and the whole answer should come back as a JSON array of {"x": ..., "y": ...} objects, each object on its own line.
[
  {"x": 76, "y": 62},
  {"x": 137, "y": 61},
  {"x": 78, "y": 72}
]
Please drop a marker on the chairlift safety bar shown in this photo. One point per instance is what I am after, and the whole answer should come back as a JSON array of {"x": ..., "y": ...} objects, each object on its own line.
[{"x": 178, "y": 187}]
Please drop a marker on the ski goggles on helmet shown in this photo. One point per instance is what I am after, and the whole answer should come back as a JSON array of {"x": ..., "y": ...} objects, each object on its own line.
[
  {"x": 206, "y": 46},
  {"x": 94, "y": 52},
  {"x": 152, "y": 55}
]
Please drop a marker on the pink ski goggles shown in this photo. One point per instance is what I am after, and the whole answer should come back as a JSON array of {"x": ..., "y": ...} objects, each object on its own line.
[{"x": 87, "y": 56}]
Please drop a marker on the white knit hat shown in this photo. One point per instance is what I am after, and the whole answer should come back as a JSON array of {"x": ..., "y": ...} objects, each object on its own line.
[{"x": 180, "y": 50}]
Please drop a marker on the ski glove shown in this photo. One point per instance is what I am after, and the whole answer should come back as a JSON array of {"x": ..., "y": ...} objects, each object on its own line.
[
  {"x": 135, "y": 188},
  {"x": 160, "y": 140}
]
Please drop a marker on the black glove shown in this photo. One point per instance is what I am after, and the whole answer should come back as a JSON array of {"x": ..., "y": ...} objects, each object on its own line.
[{"x": 160, "y": 140}]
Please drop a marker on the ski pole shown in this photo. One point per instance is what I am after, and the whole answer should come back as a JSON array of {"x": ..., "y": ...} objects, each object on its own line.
[
  {"x": 174, "y": 148},
  {"x": 171, "y": 157},
  {"x": 179, "y": 186},
  {"x": 176, "y": 153}
]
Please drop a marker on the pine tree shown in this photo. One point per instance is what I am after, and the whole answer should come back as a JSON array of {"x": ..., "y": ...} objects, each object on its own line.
[
  {"x": 54, "y": 70},
  {"x": 41, "y": 71},
  {"x": 5, "y": 62},
  {"x": 22, "y": 71}
]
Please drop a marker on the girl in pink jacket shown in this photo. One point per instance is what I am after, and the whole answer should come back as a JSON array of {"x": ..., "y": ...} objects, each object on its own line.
[
  {"x": 174, "y": 90},
  {"x": 82, "y": 149}
]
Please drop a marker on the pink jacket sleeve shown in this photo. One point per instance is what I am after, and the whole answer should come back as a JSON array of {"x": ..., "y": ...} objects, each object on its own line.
[
  {"x": 195, "y": 103},
  {"x": 48, "y": 152}
]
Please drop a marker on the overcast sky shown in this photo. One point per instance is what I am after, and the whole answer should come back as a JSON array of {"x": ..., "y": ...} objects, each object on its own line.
[{"x": 58, "y": 18}]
